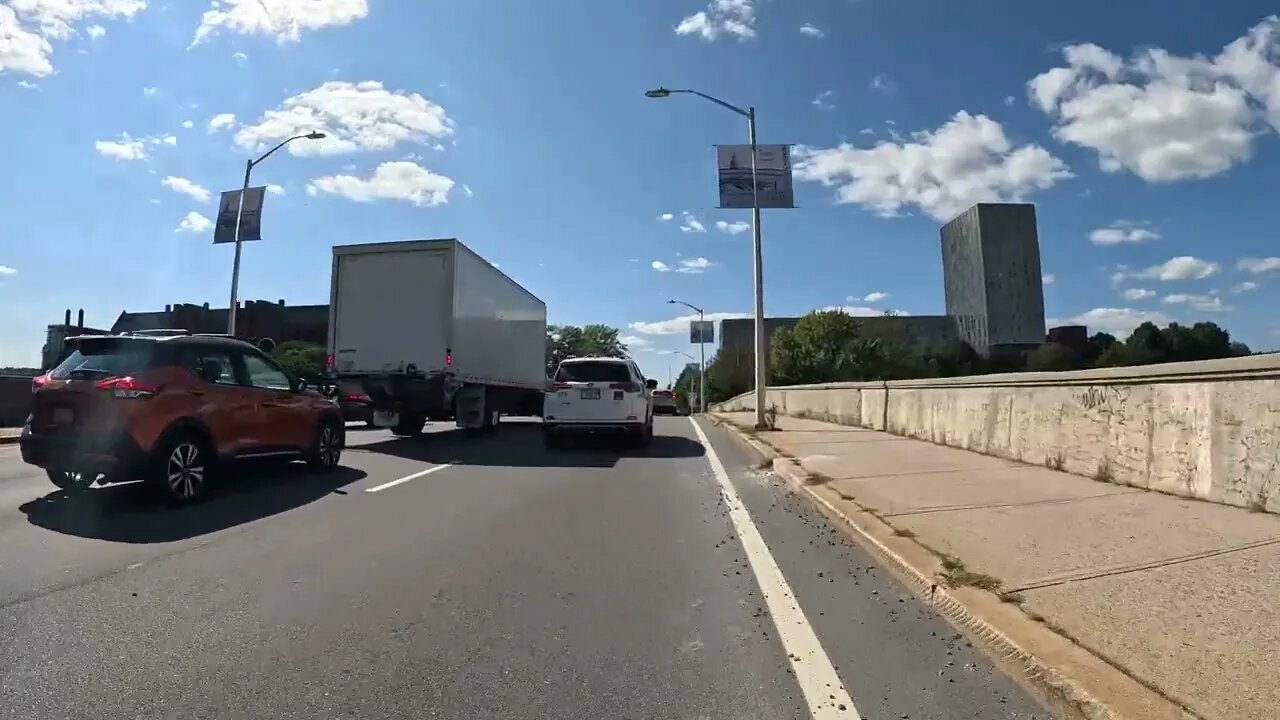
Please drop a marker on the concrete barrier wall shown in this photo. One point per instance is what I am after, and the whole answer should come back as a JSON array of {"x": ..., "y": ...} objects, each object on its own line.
[
  {"x": 15, "y": 400},
  {"x": 1208, "y": 430}
]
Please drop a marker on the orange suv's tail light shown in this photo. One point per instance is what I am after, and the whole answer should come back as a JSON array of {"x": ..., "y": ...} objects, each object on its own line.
[
  {"x": 127, "y": 387},
  {"x": 39, "y": 381}
]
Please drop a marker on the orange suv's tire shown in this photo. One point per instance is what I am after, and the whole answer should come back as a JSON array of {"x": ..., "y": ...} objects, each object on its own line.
[
  {"x": 326, "y": 450},
  {"x": 181, "y": 468}
]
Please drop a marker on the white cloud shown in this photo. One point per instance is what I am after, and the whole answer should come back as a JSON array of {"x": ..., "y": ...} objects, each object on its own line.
[
  {"x": 1119, "y": 321},
  {"x": 126, "y": 148},
  {"x": 866, "y": 131},
  {"x": 1181, "y": 268},
  {"x": 22, "y": 50},
  {"x": 666, "y": 217},
  {"x": 691, "y": 224},
  {"x": 397, "y": 180},
  {"x": 1162, "y": 116},
  {"x": 1048, "y": 279},
  {"x": 694, "y": 266},
  {"x": 285, "y": 20},
  {"x": 149, "y": 91},
  {"x": 660, "y": 266},
  {"x": 165, "y": 140},
  {"x": 1244, "y": 287},
  {"x": 678, "y": 325},
  {"x": 822, "y": 102},
  {"x": 466, "y": 190},
  {"x": 96, "y": 31},
  {"x": 635, "y": 342},
  {"x": 1203, "y": 303},
  {"x": 275, "y": 189},
  {"x": 54, "y": 18},
  {"x": 355, "y": 116},
  {"x": 239, "y": 56},
  {"x": 194, "y": 222},
  {"x": 1009, "y": 100},
  {"x": 722, "y": 17},
  {"x": 811, "y": 31},
  {"x": 186, "y": 187},
  {"x": 1138, "y": 294},
  {"x": 736, "y": 227},
  {"x": 222, "y": 121},
  {"x": 883, "y": 84},
  {"x": 6, "y": 271},
  {"x": 873, "y": 297},
  {"x": 28, "y": 85},
  {"x": 1122, "y": 231},
  {"x": 1259, "y": 265},
  {"x": 943, "y": 171},
  {"x": 188, "y": 124}
]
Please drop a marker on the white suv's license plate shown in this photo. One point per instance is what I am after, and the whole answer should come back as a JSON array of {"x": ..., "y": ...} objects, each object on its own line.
[{"x": 591, "y": 393}]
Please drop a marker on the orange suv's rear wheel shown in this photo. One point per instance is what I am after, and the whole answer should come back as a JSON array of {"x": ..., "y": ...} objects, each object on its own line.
[{"x": 181, "y": 469}]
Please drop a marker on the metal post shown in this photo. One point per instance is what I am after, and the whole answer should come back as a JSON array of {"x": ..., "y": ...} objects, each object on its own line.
[
  {"x": 761, "y": 360},
  {"x": 702, "y": 364},
  {"x": 235, "y": 265}
]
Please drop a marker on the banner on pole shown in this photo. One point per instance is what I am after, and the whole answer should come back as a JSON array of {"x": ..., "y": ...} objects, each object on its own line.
[
  {"x": 773, "y": 188},
  {"x": 702, "y": 331},
  {"x": 250, "y": 217}
]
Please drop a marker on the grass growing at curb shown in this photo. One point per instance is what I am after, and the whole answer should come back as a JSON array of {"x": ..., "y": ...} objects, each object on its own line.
[
  {"x": 957, "y": 575},
  {"x": 904, "y": 532}
]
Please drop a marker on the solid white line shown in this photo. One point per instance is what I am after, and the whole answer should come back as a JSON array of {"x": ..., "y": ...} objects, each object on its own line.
[
  {"x": 814, "y": 672},
  {"x": 407, "y": 478}
]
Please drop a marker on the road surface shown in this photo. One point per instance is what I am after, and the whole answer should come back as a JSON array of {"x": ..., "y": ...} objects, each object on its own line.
[{"x": 454, "y": 577}]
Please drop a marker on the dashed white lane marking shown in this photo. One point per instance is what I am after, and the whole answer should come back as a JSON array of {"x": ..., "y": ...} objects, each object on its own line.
[
  {"x": 407, "y": 478},
  {"x": 824, "y": 693}
]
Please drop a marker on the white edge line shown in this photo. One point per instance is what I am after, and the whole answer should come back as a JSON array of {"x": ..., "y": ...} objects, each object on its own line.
[
  {"x": 813, "y": 669},
  {"x": 407, "y": 478}
]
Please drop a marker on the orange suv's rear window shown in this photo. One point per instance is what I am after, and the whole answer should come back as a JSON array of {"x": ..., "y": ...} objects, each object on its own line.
[{"x": 96, "y": 358}]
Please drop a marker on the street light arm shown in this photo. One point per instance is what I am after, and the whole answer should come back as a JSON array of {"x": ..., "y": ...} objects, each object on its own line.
[
  {"x": 718, "y": 101},
  {"x": 681, "y": 302},
  {"x": 282, "y": 144}
]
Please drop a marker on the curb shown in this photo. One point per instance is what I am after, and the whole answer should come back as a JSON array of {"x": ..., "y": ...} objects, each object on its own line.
[
  {"x": 9, "y": 439},
  {"x": 1065, "y": 695}
]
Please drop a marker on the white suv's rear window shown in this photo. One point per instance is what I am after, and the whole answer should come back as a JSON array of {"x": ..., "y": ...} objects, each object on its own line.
[{"x": 588, "y": 371}]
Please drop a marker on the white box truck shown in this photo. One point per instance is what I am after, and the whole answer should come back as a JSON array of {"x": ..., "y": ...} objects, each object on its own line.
[{"x": 429, "y": 330}]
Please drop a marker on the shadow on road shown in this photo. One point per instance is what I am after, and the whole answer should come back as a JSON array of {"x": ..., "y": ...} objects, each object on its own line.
[
  {"x": 132, "y": 513},
  {"x": 519, "y": 444}
]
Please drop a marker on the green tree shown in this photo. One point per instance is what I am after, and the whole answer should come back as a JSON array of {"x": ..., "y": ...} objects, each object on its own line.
[
  {"x": 300, "y": 359},
  {"x": 1098, "y": 344},
  {"x": 1147, "y": 344},
  {"x": 1052, "y": 356},
  {"x": 824, "y": 346},
  {"x": 566, "y": 341},
  {"x": 729, "y": 374}
]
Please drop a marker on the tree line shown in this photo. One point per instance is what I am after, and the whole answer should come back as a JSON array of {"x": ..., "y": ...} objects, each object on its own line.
[{"x": 832, "y": 346}]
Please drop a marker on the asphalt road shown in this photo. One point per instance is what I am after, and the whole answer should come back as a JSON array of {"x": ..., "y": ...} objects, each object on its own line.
[{"x": 507, "y": 582}]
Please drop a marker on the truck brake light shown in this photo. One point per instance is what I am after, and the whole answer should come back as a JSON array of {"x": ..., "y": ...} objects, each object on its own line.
[
  {"x": 328, "y": 361},
  {"x": 448, "y": 357}
]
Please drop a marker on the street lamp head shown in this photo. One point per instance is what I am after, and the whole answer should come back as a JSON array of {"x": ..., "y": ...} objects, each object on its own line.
[
  {"x": 316, "y": 136},
  {"x": 658, "y": 93},
  {"x": 671, "y": 302}
]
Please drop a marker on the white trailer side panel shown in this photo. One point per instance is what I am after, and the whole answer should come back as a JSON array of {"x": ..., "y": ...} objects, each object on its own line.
[
  {"x": 391, "y": 307},
  {"x": 500, "y": 329}
]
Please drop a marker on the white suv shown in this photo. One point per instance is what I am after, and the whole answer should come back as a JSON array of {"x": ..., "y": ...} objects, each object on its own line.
[{"x": 598, "y": 395}]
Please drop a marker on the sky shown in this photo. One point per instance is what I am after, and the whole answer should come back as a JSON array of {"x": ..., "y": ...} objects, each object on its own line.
[{"x": 1144, "y": 132}]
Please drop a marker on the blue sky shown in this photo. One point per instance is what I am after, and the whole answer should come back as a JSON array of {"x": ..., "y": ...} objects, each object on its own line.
[{"x": 1145, "y": 132}]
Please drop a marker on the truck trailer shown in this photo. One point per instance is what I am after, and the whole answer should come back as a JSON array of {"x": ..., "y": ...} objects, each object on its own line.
[{"x": 429, "y": 330}]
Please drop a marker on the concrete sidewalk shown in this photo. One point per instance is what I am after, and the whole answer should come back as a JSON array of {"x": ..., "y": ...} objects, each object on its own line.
[
  {"x": 9, "y": 435},
  {"x": 1180, "y": 594}
]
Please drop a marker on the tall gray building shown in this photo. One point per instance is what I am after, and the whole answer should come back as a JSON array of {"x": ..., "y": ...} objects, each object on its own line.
[{"x": 991, "y": 269}]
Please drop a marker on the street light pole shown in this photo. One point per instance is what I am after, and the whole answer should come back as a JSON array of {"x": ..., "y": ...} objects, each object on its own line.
[
  {"x": 244, "y": 190},
  {"x": 702, "y": 352},
  {"x": 757, "y": 256}
]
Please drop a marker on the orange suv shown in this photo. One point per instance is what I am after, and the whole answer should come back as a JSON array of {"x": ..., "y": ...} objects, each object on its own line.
[{"x": 171, "y": 407}]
